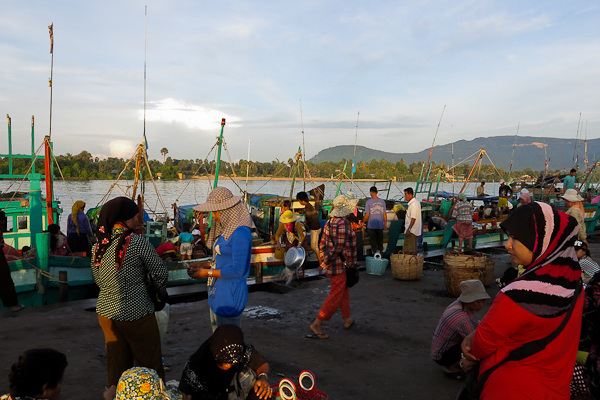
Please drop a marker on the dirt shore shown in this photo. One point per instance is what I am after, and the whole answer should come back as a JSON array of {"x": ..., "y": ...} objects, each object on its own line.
[{"x": 385, "y": 355}]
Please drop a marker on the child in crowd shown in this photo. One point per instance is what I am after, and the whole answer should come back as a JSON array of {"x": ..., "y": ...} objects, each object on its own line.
[
  {"x": 589, "y": 267},
  {"x": 58, "y": 241},
  {"x": 185, "y": 242}
]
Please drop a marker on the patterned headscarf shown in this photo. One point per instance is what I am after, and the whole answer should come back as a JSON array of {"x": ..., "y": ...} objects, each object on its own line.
[
  {"x": 74, "y": 211},
  {"x": 202, "y": 377},
  {"x": 143, "y": 383},
  {"x": 546, "y": 287},
  {"x": 232, "y": 217},
  {"x": 115, "y": 211}
]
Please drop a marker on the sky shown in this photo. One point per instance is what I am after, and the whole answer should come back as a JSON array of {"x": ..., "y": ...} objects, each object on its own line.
[{"x": 275, "y": 69}]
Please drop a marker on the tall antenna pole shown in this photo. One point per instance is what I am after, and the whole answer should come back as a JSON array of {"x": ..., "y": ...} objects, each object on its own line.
[
  {"x": 354, "y": 155},
  {"x": 436, "y": 133},
  {"x": 585, "y": 145},
  {"x": 576, "y": 137},
  {"x": 51, "y": 28},
  {"x": 247, "y": 172},
  {"x": 303, "y": 147},
  {"x": 145, "y": 39}
]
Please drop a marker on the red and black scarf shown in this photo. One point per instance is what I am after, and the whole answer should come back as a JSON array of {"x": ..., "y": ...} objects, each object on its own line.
[
  {"x": 546, "y": 287},
  {"x": 114, "y": 214}
]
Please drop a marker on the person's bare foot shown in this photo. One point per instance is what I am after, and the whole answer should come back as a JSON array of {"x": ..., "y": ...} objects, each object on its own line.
[
  {"x": 316, "y": 327},
  {"x": 348, "y": 322}
]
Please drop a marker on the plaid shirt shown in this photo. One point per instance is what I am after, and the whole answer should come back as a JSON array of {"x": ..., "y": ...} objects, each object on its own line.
[
  {"x": 456, "y": 324},
  {"x": 463, "y": 212},
  {"x": 338, "y": 238}
]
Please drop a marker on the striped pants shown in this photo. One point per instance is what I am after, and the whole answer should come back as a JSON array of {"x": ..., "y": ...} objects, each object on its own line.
[{"x": 339, "y": 297}]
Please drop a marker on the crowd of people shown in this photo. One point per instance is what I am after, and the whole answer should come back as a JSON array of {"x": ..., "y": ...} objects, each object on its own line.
[{"x": 531, "y": 329}]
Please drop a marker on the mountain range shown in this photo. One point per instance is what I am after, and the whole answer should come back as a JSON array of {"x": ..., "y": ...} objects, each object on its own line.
[{"x": 529, "y": 152}]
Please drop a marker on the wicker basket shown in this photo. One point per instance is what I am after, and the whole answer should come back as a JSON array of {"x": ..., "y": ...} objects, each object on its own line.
[
  {"x": 460, "y": 267},
  {"x": 376, "y": 265},
  {"x": 488, "y": 279},
  {"x": 407, "y": 267}
]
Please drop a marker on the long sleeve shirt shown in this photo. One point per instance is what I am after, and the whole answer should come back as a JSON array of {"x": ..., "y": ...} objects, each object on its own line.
[
  {"x": 338, "y": 239},
  {"x": 123, "y": 294},
  {"x": 82, "y": 221}
]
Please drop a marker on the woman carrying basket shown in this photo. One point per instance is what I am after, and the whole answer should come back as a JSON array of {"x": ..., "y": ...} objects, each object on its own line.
[{"x": 338, "y": 251}]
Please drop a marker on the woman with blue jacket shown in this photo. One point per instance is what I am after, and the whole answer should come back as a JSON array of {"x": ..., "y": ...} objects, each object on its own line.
[{"x": 231, "y": 242}]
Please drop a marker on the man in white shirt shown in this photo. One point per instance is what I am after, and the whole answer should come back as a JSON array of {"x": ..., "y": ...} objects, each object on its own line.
[{"x": 413, "y": 222}]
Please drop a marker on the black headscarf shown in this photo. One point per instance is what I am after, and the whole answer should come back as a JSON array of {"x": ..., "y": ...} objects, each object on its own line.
[
  {"x": 202, "y": 377},
  {"x": 115, "y": 211}
]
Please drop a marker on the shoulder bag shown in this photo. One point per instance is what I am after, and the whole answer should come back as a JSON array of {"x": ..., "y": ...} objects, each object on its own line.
[
  {"x": 158, "y": 299},
  {"x": 473, "y": 387}
]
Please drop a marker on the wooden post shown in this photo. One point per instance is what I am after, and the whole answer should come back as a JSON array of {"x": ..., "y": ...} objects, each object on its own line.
[
  {"x": 63, "y": 288},
  {"x": 258, "y": 272}
]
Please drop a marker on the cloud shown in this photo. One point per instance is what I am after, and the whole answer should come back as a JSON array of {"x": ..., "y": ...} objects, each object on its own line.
[
  {"x": 191, "y": 115},
  {"x": 121, "y": 148}
]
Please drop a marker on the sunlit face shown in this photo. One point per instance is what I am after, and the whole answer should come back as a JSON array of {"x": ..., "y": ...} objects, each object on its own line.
[
  {"x": 518, "y": 252},
  {"x": 475, "y": 306},
  {"x": 224, "y": 366},
  {"x": 133, "y": 222},
  {"x": 408, "y": 196}
]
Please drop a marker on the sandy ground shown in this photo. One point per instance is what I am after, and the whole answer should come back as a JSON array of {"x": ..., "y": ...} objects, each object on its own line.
[{"x": 385, "y": 355}]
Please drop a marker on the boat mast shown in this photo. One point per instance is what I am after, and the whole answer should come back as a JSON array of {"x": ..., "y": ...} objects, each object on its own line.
[
  {"x": 220, "y": 143},
  {"x": 513, "y": 153},
  {"x": 47, "y": 141},
  {"x": 303, "y": 146}
]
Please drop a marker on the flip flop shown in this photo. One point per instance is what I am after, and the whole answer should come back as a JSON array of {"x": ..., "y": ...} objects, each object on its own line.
[
  {"x": 458, "y": 375},
  {"x": 317, "y": 336},
  {"x": 18, "y": 307}
]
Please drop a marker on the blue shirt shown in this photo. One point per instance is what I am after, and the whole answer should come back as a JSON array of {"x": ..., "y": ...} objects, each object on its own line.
[
  {"x": 569, "y": 182},
  {"x": 376, "y": 209},
  {"x": 228, "y": 296},
  {"x": 186, "y": 237}
]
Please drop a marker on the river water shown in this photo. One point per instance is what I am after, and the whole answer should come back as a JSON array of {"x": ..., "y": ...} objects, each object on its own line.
[{"x": 194, "y": 191}]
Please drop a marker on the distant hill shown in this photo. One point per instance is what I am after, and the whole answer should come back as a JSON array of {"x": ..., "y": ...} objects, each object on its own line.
[{"x": 529, "y": 152}]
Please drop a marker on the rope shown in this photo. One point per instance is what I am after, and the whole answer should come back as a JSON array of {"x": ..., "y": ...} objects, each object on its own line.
[
  {"x": 156, "y": 189},
  {"x": 61, "y": 174},
  {"x": 23, "y": 180},
  {"x": 195, "y": 173},
  {"x": 47, "y": 274},
  {"x": 116, "y": 182}
]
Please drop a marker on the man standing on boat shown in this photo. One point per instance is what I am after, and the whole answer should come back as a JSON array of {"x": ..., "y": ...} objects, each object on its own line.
[
  {"x": 413, "y": 222},
  {"x": 311, "y": 218},
  {"x": 376, "y": 219},
  {"x": 569, "y": 181},
  {"x": 504, "y": 192}
]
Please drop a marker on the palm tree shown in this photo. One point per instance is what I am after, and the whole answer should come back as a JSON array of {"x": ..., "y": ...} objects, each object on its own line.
[{"x": 164, "y": 153}]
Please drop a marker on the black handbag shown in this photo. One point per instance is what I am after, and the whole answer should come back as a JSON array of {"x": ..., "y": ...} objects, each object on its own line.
[
  {"x": 473, "y": 387},
  {"x": 158, "y": 299},
  {"x": 352, "y": 276}
]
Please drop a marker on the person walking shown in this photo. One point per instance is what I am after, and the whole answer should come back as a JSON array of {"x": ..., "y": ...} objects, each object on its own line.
[
  {"x": 376, "y": 219},
  {"x": 121, "y": 264},
  {"x": 231, "y": 242},
  {"x": 413, "y": 222},
  {"x": 338, "y": 252}
]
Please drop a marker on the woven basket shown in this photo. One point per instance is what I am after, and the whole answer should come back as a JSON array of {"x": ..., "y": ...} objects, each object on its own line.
[
  {"x": 376, "y": 265},
  {"x": 460, "y": 267},
  {"x": 488, "y": 279},
  {"x": 407, "y": 267}
]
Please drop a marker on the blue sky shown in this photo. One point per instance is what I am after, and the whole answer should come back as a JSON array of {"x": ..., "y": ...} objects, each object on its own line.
[{"x": 492, "y": 63}]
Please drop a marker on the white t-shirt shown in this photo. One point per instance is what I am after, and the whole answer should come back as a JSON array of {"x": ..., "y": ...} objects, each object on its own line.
[{"x": 414, "y": 211}]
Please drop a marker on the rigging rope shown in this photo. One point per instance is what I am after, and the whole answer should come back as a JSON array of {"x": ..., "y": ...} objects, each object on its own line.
[{"x": 25, "y": 176}]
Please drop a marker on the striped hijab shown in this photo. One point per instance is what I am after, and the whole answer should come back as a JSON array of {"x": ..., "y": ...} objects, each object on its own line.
[{"x": 546, "y": 287}]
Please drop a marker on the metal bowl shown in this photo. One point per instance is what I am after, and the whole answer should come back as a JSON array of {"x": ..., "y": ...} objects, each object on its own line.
[{"x": 294, "y": 257}]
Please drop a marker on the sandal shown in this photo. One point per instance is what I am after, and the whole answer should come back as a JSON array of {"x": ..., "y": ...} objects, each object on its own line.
[
  {"x": 317, "y": 336},
  {"x": 458, "y": 375}
]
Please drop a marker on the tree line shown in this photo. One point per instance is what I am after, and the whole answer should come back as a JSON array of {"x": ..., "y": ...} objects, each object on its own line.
[{"x": 85, "y": 166}]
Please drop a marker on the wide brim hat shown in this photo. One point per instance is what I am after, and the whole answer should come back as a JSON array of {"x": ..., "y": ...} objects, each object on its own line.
[
  {"x": 343, "y": 206},
  {"x": 572, "y": 196},
  {"x": 287, "y": 217},
  {"x": 472, "y": 290},
  {"x": 196, "y": 232},
  {"x": 219, "y": 199},
  {"x": 502, "y": 181}
]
